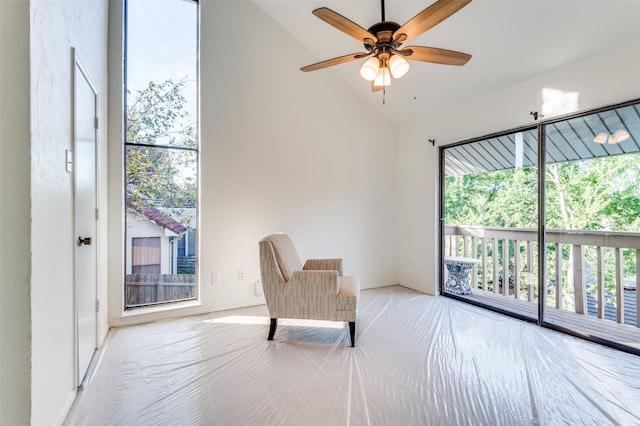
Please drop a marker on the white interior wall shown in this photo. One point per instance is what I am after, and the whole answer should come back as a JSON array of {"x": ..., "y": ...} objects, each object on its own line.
[
  {"x": 57, "y": 26},
  {"x": 266, "y": 166},
  {"x": 282, "y": 150},
  {"x": 15, "y": 221},
  {"x": 116, "y": 216},
  {"x": 603, "y": 79}
]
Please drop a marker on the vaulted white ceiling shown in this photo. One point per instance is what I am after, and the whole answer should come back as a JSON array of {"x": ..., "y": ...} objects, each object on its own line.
[{"x": 511, "y": 41}]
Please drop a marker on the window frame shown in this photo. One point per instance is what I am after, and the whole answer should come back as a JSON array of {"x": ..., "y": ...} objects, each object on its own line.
[{"x": 127, "y": 248}]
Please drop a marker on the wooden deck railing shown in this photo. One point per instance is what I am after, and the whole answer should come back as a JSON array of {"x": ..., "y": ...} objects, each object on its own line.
[{"x": 496, "y": 249}]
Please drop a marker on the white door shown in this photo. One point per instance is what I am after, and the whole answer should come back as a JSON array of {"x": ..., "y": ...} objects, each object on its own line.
[{"x": 86, "y": 285}]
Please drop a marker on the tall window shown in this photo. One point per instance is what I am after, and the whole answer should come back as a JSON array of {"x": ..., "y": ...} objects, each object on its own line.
[{"x": 161, "y": 151}]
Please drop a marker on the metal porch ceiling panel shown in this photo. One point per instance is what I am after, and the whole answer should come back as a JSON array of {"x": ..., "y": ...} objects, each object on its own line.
[{"x": 568, "y": 140}]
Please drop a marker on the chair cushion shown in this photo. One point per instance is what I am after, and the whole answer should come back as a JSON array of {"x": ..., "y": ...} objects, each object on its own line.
[{"x": 286, "y": 254}]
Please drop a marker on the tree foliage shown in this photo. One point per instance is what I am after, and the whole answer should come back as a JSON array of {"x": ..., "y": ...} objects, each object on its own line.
[
  {"x": 158, "y": 116},
  {"x": 595, "y": 194},
  {"x": 160, "y": 172},
  {"x": 505, "y": 198}
]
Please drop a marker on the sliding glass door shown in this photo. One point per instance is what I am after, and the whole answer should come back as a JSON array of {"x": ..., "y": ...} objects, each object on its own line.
[
  {"x": 592, "y": 209},
  {"x": 579, "y": 200},
  {"x": 490, "y": 216}
]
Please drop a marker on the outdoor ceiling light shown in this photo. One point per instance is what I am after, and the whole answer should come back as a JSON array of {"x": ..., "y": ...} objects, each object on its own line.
[
  {"x": 617, "y": 137},
  {"x": 601, "y": 138}
]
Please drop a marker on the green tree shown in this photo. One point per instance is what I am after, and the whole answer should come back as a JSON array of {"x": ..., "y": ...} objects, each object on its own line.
[
  {"x": 505, "y": 198},
  {"x": 595, "y": 194},
  {"x": 598, "y": 194},
  {"x": 159, "y": 170}
]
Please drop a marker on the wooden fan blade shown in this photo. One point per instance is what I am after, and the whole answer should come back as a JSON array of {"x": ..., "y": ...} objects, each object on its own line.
[
  {"x": 375, "y": 88},
  {"x": 345, "y": 25},
  {"x": 428, "y": 18},
  {"x": 334, "y": 61},
  {"x": 434, "y": 55}
]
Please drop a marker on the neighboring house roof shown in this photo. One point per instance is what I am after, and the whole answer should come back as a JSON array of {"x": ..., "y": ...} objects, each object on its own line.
[
  {"x": 160, "y": 219},
  {"x": 610, "y": 308},
  {"x": 629, "y": 298}
]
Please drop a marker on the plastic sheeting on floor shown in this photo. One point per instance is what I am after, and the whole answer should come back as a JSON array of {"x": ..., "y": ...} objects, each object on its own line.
[{"x": 418, "y": 360}]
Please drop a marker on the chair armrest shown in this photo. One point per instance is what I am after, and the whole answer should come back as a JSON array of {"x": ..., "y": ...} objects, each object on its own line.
[
  {"x": 324, "y": 265},
  {"x": 314, "y": 282}
]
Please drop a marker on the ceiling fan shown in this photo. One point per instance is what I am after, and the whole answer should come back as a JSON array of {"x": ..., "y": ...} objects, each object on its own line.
[{"x": 383, "y": 40}]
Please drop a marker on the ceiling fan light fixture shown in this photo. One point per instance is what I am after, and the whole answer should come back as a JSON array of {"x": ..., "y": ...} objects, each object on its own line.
[
  {"x": 398, "y": 66},
  {"x": 369, "y": 70},
  {"x": 383, "y": 79},
  {"x": 601, "y": 138},
  {"x": 383, "y": 41}
]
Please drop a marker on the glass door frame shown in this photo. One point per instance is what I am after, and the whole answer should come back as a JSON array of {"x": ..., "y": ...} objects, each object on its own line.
[
  {"x": 541, "y": 283},
  {"x": 441, "y": 215}
]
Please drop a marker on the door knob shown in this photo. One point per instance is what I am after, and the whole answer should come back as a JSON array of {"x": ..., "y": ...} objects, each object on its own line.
[{"x": 85, "y": 241}]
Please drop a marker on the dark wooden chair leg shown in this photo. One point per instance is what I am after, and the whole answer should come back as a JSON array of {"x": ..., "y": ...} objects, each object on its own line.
[
  {"x": 352, "y": 332},
  {"x": 272, "y": 328}
]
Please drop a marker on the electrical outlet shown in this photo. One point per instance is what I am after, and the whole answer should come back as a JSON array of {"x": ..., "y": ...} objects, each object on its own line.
[
  {"x": 241, "y": 275},
  {"x": 215, "y": 278},
  {"x": 379, "y": 262}
]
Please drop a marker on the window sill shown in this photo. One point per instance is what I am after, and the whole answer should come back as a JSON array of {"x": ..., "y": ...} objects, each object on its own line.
[{"x": 159, "y": 312}]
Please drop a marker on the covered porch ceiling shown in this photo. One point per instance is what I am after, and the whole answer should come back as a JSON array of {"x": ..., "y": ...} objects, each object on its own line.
[{"x": 566, "y": 140}]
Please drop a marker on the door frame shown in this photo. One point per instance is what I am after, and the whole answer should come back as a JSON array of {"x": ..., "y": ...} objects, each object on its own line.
[
  {"x": 541, "y": 258},
  {"x": 78, "y": 65}
]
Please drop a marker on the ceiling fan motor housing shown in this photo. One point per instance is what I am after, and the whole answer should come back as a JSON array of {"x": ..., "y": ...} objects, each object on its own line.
[{"x": 384, "y": 32}]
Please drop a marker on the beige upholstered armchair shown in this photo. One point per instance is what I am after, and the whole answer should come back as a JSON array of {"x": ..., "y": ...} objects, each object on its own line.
[{"x": 316, "y": 291}]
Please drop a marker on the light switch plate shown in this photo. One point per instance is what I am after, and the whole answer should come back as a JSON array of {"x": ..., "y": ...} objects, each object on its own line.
[{"x": 68, "y": 161}]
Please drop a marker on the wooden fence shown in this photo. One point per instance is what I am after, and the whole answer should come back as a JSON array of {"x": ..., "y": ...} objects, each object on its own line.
[{"x": 146, "y": 289}]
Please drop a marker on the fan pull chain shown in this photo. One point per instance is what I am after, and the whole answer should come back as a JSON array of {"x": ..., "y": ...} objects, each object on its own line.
[{"x": 384, "y": 94}]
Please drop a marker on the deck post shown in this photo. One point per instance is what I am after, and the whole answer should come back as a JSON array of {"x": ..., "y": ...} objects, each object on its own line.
[
  {"x": 495, "y": 260},
  {"x": 600, "y": 278},
  {"x": 619, "y": 287},
  {"x": 516, "y": 269},
  {"x": 484, "y": 263},
  {"x": 505, "y": 267},
  {"x": 530, "y": 269},
  {"x": 558, "y": 276},
  {"x": 465, "y": 246},
  {"x": 638, "y": 288},
  {"x": 578, "y": 280},
  {"x": 474, "y": 254}
]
